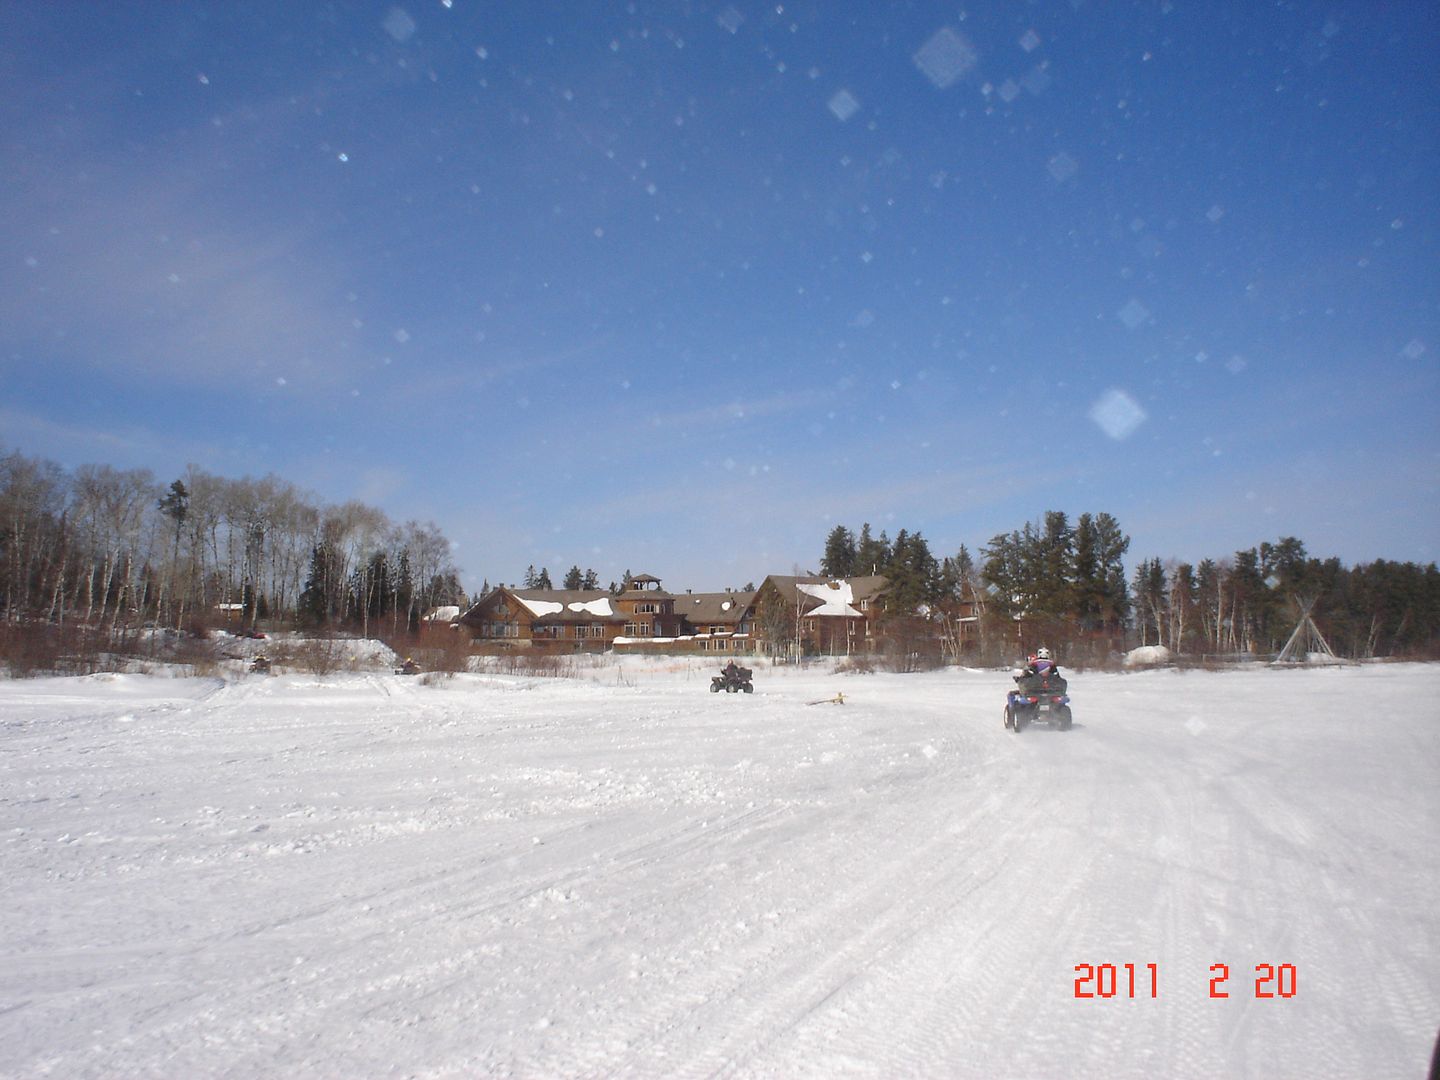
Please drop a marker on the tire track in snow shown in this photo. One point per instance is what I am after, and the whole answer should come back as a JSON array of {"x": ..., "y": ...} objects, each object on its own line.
[{"x": 888, "y": 938}]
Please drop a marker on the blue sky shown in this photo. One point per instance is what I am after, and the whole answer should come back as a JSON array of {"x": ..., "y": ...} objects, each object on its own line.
[{"x": 678, "y": 287}]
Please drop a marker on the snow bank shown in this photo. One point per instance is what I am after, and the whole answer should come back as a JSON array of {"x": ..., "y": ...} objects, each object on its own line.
[{"x": 1148, "y": 656}]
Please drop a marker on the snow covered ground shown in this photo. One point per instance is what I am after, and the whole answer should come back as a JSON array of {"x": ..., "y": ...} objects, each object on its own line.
[{"x": 624, "y": 875}]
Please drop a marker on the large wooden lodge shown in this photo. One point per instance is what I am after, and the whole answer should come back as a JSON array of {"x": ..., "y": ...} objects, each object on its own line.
[{"x": 814, "y": 615}]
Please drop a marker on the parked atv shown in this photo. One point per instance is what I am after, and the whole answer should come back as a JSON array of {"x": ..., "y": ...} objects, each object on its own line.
[
  {"x": 1038, "y": 697},
  {"x": 409, "y": 667},
  {"x": 732, "y": 679},
  {"x": 260, "y": 665}
]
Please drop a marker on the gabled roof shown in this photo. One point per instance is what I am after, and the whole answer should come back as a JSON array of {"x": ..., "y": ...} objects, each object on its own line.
[{"x": 714, "y": 608}]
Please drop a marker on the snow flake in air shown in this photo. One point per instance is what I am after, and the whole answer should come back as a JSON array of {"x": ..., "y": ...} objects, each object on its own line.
[
  {"x": 844, "y": 105},
  {"x": 1037, "y": 80},
  {"x": 1117, "y": 414},
  {"x": 399, "y": 25},
  {"x": 945, "y": 57},
  {"x": 730, "y": 19},
  {"x": 1062, "y": 167},
  {"x": 1134, "y": 314}
]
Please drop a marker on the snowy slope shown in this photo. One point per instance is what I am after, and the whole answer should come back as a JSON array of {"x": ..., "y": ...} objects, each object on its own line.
[{"x": 627, "y": 875}]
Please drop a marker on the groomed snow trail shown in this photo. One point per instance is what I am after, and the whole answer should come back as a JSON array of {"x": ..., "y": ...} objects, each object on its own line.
[{"x": 625, "y": 875}]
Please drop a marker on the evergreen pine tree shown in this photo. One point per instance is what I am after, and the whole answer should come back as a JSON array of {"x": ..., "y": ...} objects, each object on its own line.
[
  {"x": 318, "y": 604},
  {"x": 913, "y": 574},
  {"x": 1054, "y": 587},
  {"x": 1089, "y": 596},
  {"x": 871, "y": 555},
  {"x": 1111, "y": 544},
  {"x": 840, "y": 553}
]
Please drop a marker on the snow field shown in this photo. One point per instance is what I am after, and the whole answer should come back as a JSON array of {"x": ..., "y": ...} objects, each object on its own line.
[{"x": 627, "y": 875}]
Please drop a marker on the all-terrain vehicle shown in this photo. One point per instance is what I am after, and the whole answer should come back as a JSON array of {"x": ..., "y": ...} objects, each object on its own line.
[
  {"x": 260, "y": 665},
  {"x": 732, "y": 679},
  {"x": 409, "y": 667},
  {"x": 1039, "y": 696}
]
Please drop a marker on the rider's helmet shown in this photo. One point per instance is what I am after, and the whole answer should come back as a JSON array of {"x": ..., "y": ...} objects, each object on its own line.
[{"x": 1042, "y": 653}]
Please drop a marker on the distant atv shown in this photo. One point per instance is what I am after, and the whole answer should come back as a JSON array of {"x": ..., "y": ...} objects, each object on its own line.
[
  {"x": 732, "y": 679},
  {"x": 1038, "y": 697},
  {"x": 409, "y": 667},
  {"x": 260, "y": 665}
]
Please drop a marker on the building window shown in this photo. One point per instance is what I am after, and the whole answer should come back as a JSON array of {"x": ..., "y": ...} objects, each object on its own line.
[{"x": 645, "y": 609}]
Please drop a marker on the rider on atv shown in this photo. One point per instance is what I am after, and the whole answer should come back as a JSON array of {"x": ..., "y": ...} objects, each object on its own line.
[
  {"x": 1041, "y": 664},
  {"x": 1041, "y": 671},
  {"x": 1040, "y": 692}
]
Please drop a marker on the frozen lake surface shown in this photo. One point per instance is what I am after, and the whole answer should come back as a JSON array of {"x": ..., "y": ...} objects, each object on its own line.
[{"x": 622, "y": 874}]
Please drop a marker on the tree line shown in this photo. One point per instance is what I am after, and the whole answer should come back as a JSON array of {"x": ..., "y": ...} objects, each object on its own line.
[
  {"x": 1250, "y": 603},
  {"x": 113, "y": 548},
  {"x": 1058, "y": 576},
  {"x": 1066, "y": 583}
]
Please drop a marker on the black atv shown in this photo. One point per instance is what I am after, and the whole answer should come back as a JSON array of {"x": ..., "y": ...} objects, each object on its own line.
[
  {"x": 260, "y": 665},
  {"x": 732, "y": 679},
  {"x": 1038, "y": 697}
]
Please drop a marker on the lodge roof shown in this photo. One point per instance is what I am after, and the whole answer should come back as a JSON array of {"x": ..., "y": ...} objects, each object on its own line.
[
  {"x": 558, "y": 605},
  {"x": 708, "y": 608}
]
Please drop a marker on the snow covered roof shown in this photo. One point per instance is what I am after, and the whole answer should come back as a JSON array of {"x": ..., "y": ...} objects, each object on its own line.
[
  {"x": 543, "y": 603},
  {"x": 836, "y": 598},
  {"x": 829, "y": 597},
  {"x": 547, "y": 605}
]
